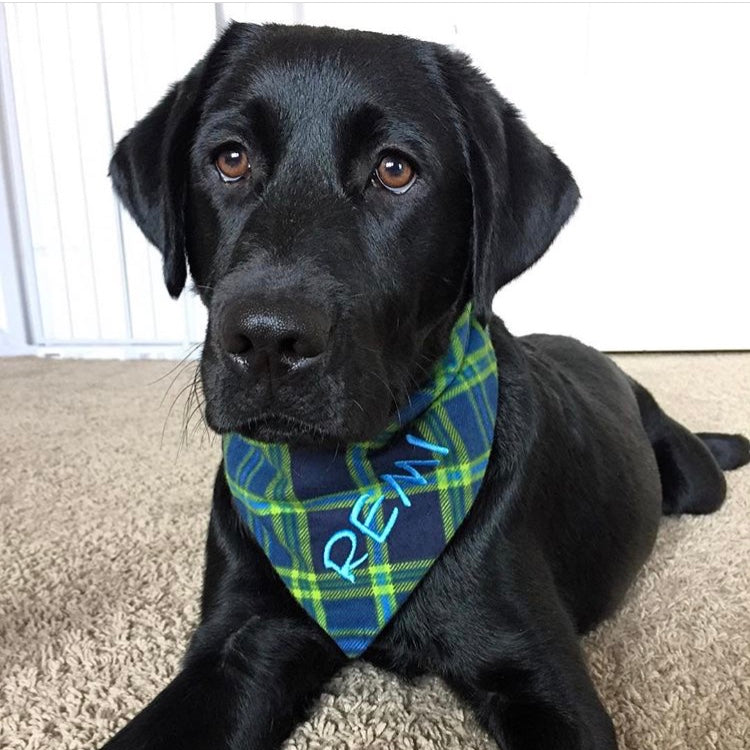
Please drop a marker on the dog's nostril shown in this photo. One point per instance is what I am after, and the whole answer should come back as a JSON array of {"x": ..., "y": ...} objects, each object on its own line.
[
  {"x": 235, "y": 342},
  {"x": 289, "y": 347},
  {"x": 306, "y": 346}
]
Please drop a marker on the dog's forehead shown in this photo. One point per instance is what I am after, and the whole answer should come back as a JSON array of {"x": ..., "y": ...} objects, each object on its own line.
[{"x": 307, "y": 71}]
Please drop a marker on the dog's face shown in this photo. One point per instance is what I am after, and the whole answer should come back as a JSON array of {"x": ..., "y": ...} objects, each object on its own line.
[{"x": 339, "y": 197}]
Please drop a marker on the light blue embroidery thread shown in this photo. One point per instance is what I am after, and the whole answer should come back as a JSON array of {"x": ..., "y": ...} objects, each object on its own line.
[{"x": 346, "y": 570}]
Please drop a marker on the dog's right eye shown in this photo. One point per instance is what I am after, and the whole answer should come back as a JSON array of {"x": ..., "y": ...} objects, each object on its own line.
[
  {"x": 232, "y": 163},
  {"x": 394, "y": 173}
]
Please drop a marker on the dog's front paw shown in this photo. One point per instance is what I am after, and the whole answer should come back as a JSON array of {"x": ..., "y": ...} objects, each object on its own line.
[
  {"x": 540, "y": 727},
  {"x": 602, "y": 736}
]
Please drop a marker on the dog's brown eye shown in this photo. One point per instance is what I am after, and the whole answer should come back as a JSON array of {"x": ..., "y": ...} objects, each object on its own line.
[
  {"x": 395, "y": 173},
  {"x": 232, "y": 163}
]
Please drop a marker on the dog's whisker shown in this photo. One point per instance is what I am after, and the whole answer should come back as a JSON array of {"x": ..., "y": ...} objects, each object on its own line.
[
  {"x": 192, "y": 402},
  {"x": 187, "y": 387},
  {"x": 184, "y": 361}
]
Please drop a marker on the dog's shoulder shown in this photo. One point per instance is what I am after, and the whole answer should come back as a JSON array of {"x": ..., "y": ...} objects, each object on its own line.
[
  {"x": 551, "y": 380},
  {"x": 567, "y": 363}
]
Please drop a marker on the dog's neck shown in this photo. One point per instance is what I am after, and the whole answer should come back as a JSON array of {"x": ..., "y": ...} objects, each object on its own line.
[{"x": 352, "y": 531}]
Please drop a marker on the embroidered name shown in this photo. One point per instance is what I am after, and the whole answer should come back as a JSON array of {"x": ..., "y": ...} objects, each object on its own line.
[{"x": 367, "y": 525}]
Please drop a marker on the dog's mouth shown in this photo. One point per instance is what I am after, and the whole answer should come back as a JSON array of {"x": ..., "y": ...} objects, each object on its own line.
[
  {"x": 281, "y": 428},
  {"x": 325, "y": 411}
]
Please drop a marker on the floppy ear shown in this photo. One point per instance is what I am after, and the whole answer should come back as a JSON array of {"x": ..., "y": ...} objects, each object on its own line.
[
  {"x": 522, "y": 194},
  {"x": 149, "y": 168},
  {"x": 149, "y": 174}
]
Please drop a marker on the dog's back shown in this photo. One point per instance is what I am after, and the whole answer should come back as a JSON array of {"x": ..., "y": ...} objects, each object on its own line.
[{"x": 608, "y": 443}]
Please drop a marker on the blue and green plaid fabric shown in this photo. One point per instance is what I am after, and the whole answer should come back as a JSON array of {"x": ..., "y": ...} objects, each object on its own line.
[{"x": 352, "y": 532}]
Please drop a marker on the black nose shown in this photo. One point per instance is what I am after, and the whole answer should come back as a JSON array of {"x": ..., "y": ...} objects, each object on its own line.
[{"x": 277, "y": 336}]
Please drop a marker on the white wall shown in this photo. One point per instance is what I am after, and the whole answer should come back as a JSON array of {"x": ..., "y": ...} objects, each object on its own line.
[
  {"x": 655, "y": 126},
  {"x": 647, "y": 104},
  {"x": 3, "y": 316},
  {"x": 83, "y": 75}
]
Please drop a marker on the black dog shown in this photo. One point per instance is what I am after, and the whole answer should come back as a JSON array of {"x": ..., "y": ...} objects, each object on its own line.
[{"x": 339, "y": 197}]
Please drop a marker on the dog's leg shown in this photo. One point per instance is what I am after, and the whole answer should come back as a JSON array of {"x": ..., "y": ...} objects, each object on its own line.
[
  {"x": 535, "y": 725},
  {"x": 254, "y": 665},
  {"x": 246, "y": 689},
  {"x": 543, "y": 699},
  {"x": 690, "y": 465},
  {"x": 524, "y": 674}
]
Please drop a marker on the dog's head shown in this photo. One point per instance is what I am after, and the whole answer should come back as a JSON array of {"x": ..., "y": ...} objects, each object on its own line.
[{"x": 338, "y": 197}]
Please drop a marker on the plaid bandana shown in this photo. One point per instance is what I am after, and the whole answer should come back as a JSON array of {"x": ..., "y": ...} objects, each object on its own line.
[{"x": 352, "y": 532}]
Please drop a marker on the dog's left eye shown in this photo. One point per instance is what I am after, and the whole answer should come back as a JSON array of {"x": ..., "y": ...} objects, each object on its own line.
[
  {"x": 394, "y": 173},
  {"x": 232, "y": 163}
]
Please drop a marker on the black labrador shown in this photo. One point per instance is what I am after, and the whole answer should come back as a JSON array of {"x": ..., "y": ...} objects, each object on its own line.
[{"x": 338, "y": 197}]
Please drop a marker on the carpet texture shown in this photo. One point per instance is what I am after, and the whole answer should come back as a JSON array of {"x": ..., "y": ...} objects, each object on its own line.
[{"x": 103, "y": 517}]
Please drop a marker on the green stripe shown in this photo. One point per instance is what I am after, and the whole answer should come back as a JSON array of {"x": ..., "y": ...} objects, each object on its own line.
[{"x": 338, "y": 502}]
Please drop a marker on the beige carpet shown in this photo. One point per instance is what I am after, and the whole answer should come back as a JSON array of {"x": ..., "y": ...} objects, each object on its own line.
[{"x": 102, "y": 522}]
